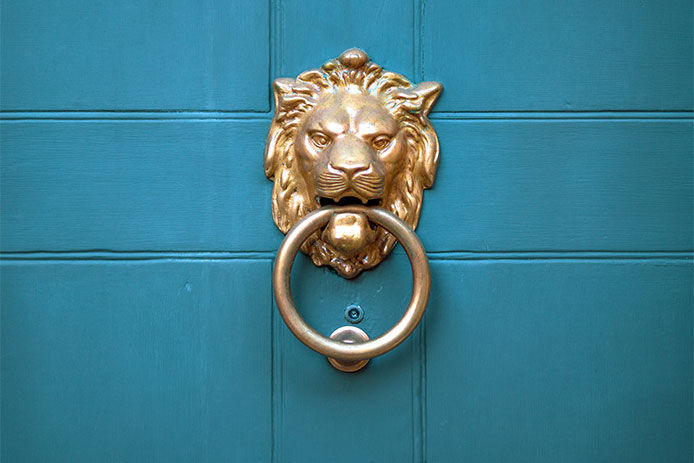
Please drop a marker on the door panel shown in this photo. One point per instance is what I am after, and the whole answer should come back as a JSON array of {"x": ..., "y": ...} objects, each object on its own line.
[
  {"x": 133, "y": 55},
  {"x": 559, "y": 56},
  {"x": 560, "y": 360},
  {"x": 136, "y": 185},
  {"x": 156, "y": 360},
  {"x": 309, "y": 28},
  {"x": 136, "y": 237},
  {"x": 561, "y": 185}
]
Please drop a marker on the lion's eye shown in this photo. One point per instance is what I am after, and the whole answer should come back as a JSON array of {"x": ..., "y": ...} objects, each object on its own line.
[
  {"x": 381, "y": 142},
  {"x": 319, "y": 139}
]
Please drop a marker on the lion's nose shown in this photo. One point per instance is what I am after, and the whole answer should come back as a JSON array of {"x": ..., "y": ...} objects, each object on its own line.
[
  {"x": 349, "y": 168},
  {"x": 350, "y": 155}
]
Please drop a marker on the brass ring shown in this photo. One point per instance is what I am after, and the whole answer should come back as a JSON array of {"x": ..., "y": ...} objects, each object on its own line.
[{"x": 421, "y": 282}]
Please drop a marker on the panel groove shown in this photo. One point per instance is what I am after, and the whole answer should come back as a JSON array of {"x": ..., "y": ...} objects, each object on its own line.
[
  {"x": 275, "y": 352},
  {"x": 270, "y": 56},
  {"x": 275, "y": 40},
  {"x": 133, "y": 116},
  {"x": 275, "y": 377},
  {"x": 138, "y": 255},
  {"x": 420, "y": 54},
  {"x": 564, "y": 115},
  {"x": 57, "y": 256},
  {"x": 419, "y": 355},
  {"x": 416, "y": 40},
  {"x": 196, "y": 115},
  {"x": 560, "y": 255},
  {"x": 416, "y": 408},
  {"x": 420, "y": 411}
]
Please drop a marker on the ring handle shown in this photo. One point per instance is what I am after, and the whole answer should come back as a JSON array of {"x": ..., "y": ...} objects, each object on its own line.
[{"x": 421, "y": 283}]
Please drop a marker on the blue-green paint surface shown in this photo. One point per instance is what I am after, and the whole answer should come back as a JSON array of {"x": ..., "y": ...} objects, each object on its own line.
[{"x": 136, "y": 319}]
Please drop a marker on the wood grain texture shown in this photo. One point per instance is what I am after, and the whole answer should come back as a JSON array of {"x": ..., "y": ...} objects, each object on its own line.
[
  {"x": 199, "y": 186},
  {"x": 136, "y": 185},
  {"x": 312, "y": 32},
  {"x": 561, "y": 185},
  {"x": 559, "y": 361},
  {"x": 136, "y": 361},
  {"x": 543, "y": 55},
  {"x": 133, "y": 55}
]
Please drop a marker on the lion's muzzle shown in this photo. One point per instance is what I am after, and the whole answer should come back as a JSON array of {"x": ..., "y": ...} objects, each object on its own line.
[
  {"x": 350, "y": 168},
  {"x": 336, "y": 184}
]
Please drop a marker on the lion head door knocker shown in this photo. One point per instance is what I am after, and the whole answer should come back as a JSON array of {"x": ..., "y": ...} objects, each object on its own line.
[{"x": 350, "y": 151}]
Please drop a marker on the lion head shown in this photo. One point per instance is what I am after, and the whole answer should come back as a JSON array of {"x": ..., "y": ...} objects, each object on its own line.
[{"x": 350, "y": 133}]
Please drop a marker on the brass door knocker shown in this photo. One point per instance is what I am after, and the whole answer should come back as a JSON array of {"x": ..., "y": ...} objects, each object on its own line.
[{"x": 350, "y": 145}]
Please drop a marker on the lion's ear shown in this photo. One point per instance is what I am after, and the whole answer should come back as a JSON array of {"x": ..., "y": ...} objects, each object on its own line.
[
  {"x": 428, "y": 158},
  {"x": 418, "y": 99},
  {"x": 288, "y": 94},
  {"x": 427, "y": 93},
  {"x": 271, "y": 149},
  {"x": 422, "y": 98},
  {"x": 280, "y": 88}
]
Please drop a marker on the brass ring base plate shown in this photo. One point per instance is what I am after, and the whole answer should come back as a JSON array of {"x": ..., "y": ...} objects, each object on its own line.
[{"x": 349, "y": 335}]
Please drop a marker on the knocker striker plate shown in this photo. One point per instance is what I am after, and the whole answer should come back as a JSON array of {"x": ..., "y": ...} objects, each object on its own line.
[{"x": 349, "y": 335}]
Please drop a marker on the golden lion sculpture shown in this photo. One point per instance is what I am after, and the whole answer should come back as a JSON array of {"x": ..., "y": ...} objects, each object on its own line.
[{"x": 350, "y": 133}]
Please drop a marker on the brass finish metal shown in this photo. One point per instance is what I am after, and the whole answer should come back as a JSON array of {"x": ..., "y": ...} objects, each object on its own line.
[
  {"x": 421, "y": 282},
  {"x": 350, "y": 151},
  {"x": 349, "y": 335},
  {"x": 350, "y": 133}
]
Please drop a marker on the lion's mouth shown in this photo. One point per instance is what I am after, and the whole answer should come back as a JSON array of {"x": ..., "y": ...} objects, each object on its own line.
[{"x": 348, "y": 201}]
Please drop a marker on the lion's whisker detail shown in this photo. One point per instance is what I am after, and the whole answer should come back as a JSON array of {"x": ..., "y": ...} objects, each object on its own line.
[{"x": 374, "y": 186}]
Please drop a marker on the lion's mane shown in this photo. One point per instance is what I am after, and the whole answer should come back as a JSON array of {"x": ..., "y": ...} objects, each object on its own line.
[{"x": 290, "y": 197}]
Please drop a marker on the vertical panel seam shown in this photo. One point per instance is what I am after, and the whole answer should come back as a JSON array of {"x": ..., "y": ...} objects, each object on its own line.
[
  {"x": 419, "y": 428},
  {"x": 418, "y": 371},
  {"x": 276, "y": 378},
  {"x": 415, "y": 40},
  {"x": 420, "y": 39},
  {"x": 275, "y": 370},
  {"x": 270, "y": 52},
  {"x": 423, "y": 390}
]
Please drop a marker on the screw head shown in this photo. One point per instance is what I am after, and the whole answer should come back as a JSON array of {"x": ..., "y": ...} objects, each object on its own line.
[{"x": 354, "y": 313}]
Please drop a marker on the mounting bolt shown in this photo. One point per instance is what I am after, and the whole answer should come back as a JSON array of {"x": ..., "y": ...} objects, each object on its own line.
[{"x": 354, "y": 314}]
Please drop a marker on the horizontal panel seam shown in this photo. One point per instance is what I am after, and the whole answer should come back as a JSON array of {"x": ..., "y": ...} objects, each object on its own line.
[
  {"x": 139, "y": 118},
  {"x": 582, "y": 118},
  {"x": 221, "y": 115},
  {"x": 49, "y": 256},
  {"x": 527, "y": 261},
  {"x": 131, "y": 110}
]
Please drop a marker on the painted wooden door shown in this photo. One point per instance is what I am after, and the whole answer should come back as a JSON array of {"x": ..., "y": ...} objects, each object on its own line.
[{"x": 137, "y": 241}]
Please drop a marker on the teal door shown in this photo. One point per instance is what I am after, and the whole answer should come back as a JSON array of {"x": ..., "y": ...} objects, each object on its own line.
[{"x": 137, "y": 315}]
